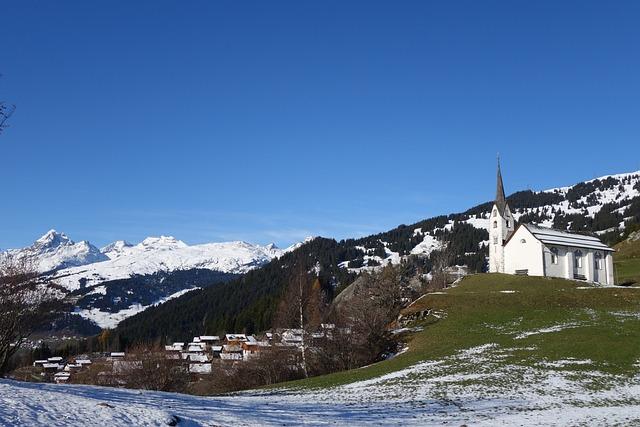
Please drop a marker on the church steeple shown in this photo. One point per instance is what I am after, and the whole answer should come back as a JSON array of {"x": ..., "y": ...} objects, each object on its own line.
[
  {"x": 501, "y": 202},
  {"x": 501, "y": 225}
]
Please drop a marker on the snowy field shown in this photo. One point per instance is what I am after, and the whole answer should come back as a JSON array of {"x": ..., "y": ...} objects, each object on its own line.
[{"x": 473, "y": 387}]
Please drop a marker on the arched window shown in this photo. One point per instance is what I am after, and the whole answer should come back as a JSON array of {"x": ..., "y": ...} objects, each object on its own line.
[
  {"x": 495, "y": 224},
  {"x": 598, "y": 260},
  {"x": 523, "y": 241},
  {"x": 554, "y": 255},
  {"x": 507, "y": 223},
  {"x": 495, "y": 213},
  {"x": 577, "y": 261}
]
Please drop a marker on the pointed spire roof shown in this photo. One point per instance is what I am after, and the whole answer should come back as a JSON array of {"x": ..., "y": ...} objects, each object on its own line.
[{"x": 501, "y": 201}]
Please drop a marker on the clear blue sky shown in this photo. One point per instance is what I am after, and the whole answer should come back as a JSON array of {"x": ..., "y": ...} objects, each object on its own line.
[{"x": 270, "y": 121}]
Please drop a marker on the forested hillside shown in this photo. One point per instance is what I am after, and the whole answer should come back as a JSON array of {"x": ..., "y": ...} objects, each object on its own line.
[{"x": 607, "y": 206}]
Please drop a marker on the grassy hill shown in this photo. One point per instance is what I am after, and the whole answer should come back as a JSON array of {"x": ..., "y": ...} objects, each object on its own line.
[
  {"x": 524, "y": 322},
  {"x": 627, "y": 260}
]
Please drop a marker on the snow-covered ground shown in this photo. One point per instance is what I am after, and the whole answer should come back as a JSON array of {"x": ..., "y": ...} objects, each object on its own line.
[{"x": 473, "y": 387}]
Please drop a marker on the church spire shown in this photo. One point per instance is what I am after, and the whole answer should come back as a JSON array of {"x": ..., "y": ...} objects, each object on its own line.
[{"x": 501, "y": 202}]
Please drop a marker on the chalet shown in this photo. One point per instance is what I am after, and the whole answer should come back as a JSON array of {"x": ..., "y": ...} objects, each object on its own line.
[
  {"x": 176, "y": 346},
  {"x": 61, "y": 377},
  {"x": 83, "y": 362},
  {"x": 231, "y": 352},
  {"x": 116, "y": 355},
  {"x": 196, "y": 347},
  {"x": 537, "y": 251},
  {"x": 200, "y": 358},
  {"x": 251, "y": 349},
  {"x": 209, "y": 339},
  {"x": 234, "y": 338},
  {"x": 51, "y": 367},
  {"x": 291, "y": 337}
]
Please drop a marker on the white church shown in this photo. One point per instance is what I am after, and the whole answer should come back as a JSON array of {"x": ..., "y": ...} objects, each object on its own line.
[{"x": 535, "y": 251}]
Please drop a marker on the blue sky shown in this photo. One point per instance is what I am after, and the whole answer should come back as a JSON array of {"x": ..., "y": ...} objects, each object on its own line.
[{"x": 270, "y": 121}]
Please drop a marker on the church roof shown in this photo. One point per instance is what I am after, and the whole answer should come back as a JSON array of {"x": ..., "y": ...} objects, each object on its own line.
[
  {"x": 549, "y": 236},
  {"x": 501, "y": 201}
]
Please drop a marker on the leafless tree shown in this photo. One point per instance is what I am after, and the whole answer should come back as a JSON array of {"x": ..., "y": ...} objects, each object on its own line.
[
  {"x": 301, "y": 307},
  {"x": 147, "y": 367},
  {"x": 375, "y": 305},
  {"x": 25, "y": 305},
  {"x": 440, "y": 259}
]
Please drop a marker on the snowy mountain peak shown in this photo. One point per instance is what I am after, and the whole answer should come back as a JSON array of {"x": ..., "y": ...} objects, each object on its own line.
[
  {"x": 116, "y": 249},
  {"x": 52, "y": 239},
  {"x": 162, "y": 242},
  {"x": 55, "y": 250}
]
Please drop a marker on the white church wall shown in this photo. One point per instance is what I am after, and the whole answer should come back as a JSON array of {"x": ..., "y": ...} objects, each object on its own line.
[
  {"x": 524, "y": 252},
  {"x": 559, "y": 268}
]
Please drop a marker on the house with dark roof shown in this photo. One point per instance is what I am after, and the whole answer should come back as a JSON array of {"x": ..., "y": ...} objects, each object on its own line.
[{"x": 537, "y": 251}]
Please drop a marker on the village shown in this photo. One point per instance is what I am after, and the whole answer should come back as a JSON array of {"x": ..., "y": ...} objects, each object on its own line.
[{"x": 195, "y": 358}]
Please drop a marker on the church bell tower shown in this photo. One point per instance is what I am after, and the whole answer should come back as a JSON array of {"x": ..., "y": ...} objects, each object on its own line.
[{"x": 501, "y": 225}]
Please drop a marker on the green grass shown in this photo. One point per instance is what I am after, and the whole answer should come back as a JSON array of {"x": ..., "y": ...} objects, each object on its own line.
[
  {"x": 605, "y": 326},
  {"x": 628, "y": 270},
  {"x": 627, "y": 261}
]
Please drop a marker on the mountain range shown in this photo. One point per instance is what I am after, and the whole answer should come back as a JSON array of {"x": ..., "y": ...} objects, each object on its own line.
[{"x": 109, "y": 284}]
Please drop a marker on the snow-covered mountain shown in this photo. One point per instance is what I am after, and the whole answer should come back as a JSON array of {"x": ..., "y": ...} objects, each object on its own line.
[
  {"x": 163, "y": 254},
  {"x": 55, "y": 251},
  {"x": 121, "y": 279}
]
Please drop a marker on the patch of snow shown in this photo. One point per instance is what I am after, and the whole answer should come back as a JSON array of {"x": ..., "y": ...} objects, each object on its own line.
[
  {"x": 429, "y": 244},
  {"x": 551, "y": 329}
]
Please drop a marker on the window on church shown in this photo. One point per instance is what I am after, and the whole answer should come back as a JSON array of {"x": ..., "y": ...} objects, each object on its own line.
[
  {"x": 598, "y": 260},
  {"x": 495, "y": 213},
  {"x": 523, "y": 241},
  {"x": 495, "y": 240},
  {"x": 577, "y": 261},
  {"x": 507, "y": 223},
  {"x": 554, "y": 255},
  {"x": 495, "y": 224}
]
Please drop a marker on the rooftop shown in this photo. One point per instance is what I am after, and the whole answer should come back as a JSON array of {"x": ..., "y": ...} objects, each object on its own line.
[{"x": 551, "y": 236}]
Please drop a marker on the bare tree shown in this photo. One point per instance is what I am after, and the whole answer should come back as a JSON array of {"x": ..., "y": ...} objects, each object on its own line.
[
  {"x": 440, "y": 259},
  {"x": 301, "y": 307},
  {"x": 25, "y": 305},
  {"x": 147, "y": 367},
  {"x": 374, "y": 306}
]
